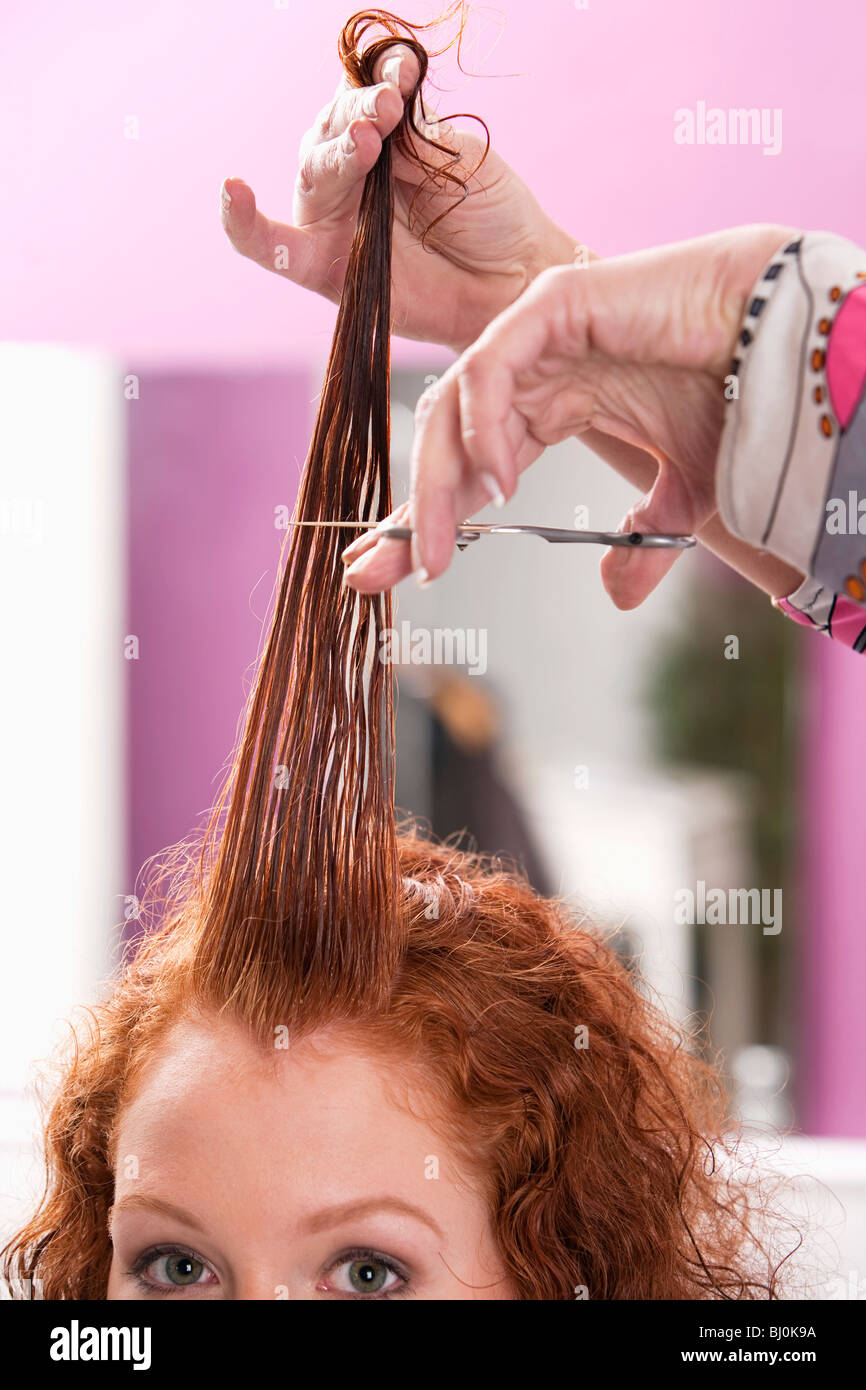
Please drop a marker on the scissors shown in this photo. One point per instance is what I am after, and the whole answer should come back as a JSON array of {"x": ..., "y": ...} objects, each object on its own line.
[{"x": 556, "y": 535}]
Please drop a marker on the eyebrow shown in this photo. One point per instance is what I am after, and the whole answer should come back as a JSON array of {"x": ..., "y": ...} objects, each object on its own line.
[
  {"x": 369, "y": 1206},
  {"x": 137, "y": 1201},
  {"x": 322, "y": 1220}
]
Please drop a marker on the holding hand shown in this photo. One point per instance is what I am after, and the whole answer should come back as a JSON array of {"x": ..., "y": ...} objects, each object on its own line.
[
  {"x": 636, "y": 348},
  {"x": 477, "y": 260}
]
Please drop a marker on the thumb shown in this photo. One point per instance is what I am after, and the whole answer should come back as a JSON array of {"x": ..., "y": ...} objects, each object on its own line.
[
  {"x": 277, "y": 246},
  {"x": 630, "y": 574}
]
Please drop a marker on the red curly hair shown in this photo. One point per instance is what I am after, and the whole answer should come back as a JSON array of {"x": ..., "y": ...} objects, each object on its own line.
[{"x": 598, "y": 1159}]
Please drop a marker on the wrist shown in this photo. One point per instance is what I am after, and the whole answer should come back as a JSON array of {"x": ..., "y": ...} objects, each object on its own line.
[
  {"x": 746, "y": 253},
  {"x": 763, "y": 569},
  {"x": 557, "y": 247},
  {"x": 552, "y": 247}
]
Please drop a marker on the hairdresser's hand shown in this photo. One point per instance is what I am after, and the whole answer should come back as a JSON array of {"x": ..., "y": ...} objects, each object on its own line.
[
  {"x": 481, "y": 256},
  {"x": 636, "y": 348}
]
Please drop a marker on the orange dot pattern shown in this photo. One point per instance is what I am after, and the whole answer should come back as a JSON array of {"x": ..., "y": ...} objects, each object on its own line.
[{"x": 818, "y": 361}]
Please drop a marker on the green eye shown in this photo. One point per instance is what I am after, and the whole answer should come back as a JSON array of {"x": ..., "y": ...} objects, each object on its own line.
[
  {"x": 368, "y": 1275},
  {"x": 364, "y": 1273},
  {"x": 183, "y": 1269},
  {"x": 171, "y": 1270}
]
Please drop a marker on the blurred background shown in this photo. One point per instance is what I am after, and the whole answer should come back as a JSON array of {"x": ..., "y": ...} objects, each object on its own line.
[{"x": 158, "y": 394}]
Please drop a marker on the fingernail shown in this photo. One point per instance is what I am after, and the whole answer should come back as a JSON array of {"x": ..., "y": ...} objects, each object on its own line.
[
  {"x": 419, "y": 569},
  {"x": 355, "y": 568},
  {"x": 493, "y": 490},
  {"x": 368, "y": 105},
  {"x": 360, "y": 546},
  {"x": 437, "y": 130},
  {"x": 225, "y": 198},
  {"x": 348, "y": 141},
  {"x": 391, "y": 71}
]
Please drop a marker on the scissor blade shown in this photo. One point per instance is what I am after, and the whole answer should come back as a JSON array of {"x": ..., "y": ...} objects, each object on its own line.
[{"x": 555, "y": 535}]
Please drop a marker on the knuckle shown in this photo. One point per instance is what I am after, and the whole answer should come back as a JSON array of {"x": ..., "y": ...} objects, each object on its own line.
[
  {"x": 306, "y": 146},
  {"x": 426, "y": 403},
  {"x": 324, "y": 126},
  {"x": 553, "y": 281},
  {"x": 470, "y": 369},
  {"x": 305, "y": 181},
  {"x": 332, "y": 159},
  {"x": 558, "y": 280}
]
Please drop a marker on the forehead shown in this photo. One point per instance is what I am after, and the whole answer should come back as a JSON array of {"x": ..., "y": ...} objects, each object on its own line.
[{"x": 217, "y": 1120}]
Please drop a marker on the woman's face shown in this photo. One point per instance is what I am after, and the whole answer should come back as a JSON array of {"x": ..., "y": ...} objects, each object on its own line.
[{"x": 294, "y": 1175}]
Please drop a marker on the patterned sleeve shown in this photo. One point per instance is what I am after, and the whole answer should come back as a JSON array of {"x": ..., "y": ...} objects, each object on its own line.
[
  {"x": 814, "y": 606},
  {"x": 792, "y": 460}
]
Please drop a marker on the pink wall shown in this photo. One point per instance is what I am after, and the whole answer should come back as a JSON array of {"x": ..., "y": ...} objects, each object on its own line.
[
  {"x": 211, "y": 458},
  {"x": 117, "y": 243},
  {"x": 831, "y": 1019}
]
